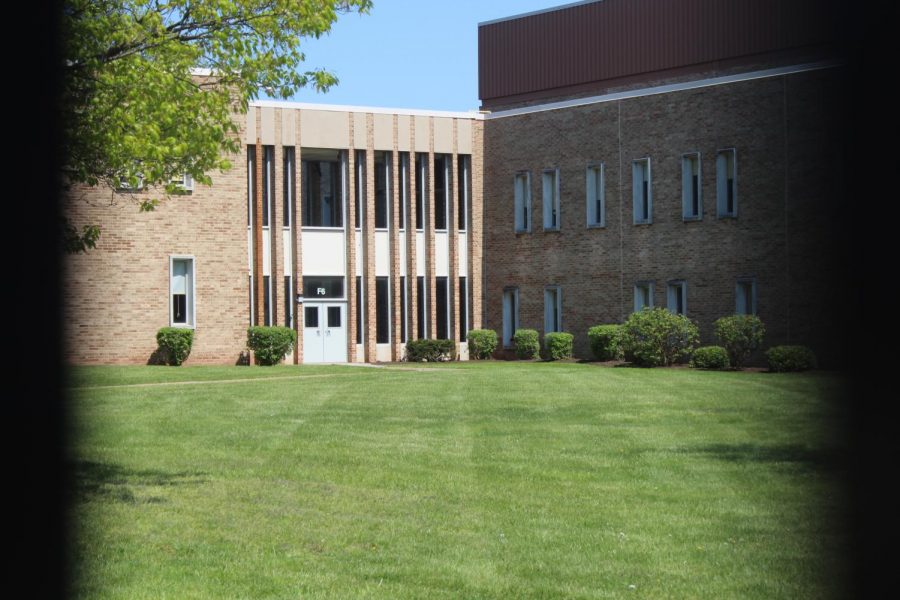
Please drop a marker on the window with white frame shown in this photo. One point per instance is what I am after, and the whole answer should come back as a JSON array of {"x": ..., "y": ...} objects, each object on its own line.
[
  {"x": 181, "y": 291},
  {"x": 550, "y": 181},
  {"x": 268, "y": 187},
  {"x": 643, "y": 295},
  {"x": 442, "y": 175},
  {"x": 185, "y": 182},
  {"x": 552, "y": 309},
  {"x": 676, "y": 296},
  {"x": 745, "y": 296},
  {"x": 510, "y": 315},
  {"x": 691, "y": 201},
  {"x": 288, "y": 186},
  {"x": 522, "y": 190},
  {"x": 596, "y": 195},
  {"x": 642, "y": 191},
  {"x": 726, "y": 183}
]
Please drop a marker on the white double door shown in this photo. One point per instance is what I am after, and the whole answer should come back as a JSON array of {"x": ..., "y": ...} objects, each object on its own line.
[{"x": 325, "y": 332}]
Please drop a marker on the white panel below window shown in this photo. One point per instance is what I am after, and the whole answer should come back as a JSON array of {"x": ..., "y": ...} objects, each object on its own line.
[
  {"x": 288, "y": 258},
  {"x": 267, "y": 252},
  {"x": 420, "y": 253},
  {"x": 360, "y": 259},
  {"x": 441, "y": 254},
  {"x": 463, "y": 351},
  {"x": 403, "y": 253},
  {"x": 382, "y": 254},
  {"x": 360, "y": 356},
  {"x": 383, "y": 352},
  {"x": 323, "y": 252},
  {"x": 462, "y": 253},
  {"x": 249, "y": 251}
]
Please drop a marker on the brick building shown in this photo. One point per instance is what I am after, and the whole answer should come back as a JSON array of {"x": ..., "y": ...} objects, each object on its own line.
[{"x": 628, "y": 154}]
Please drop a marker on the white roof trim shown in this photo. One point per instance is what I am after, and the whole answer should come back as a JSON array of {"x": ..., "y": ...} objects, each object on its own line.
[
  {"x": 473, "y": 114},
  {"x": 664, "y": 89},
  {"x": 201, "y": 72},
  {"x": 538, "y": 12}
]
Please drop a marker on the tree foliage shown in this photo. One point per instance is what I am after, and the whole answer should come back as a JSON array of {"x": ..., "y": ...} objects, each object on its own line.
[{"x": 151, "y": 87}]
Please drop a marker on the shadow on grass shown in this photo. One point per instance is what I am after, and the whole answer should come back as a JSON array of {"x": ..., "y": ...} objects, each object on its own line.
[
  {"x": 794, "y": 455},
  {"x": 115, "y": 483}
]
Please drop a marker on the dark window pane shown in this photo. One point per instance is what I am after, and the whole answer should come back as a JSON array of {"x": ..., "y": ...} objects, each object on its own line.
[
  {"x": 360, "y": 186},
  {"x": 268, "y": 172},
  {"x": 382, "y": 173},
  {"x": 404, "y": 188},
  {"x": 288, "y": 186},
  {"x": 267, "y": 299},
  {"x": 359, "y": 310},
  {"x": 730, "y": 207},
  {"x": 421, "y": 192},
  {"x": 382, "y": 314},
  {"x": 442, "y": 308},
  {"x": 463, "y": 309},
  {"x": 646, "y": 201},
  {"x": 251, "y": 180},
  {"x": 311, "y": 316},
  {"x": 403, "y": 297},
  {"x": 320, "y": 286},
  {"x": 322, "y": 193},
  {"x": 695, "y": 196},
  {"x": 440, "y": 191},
  {"x": 179, "y": 308},
  {"x": 420, "y": 305},
  {"x": 334, "y": 316},
  {"x": 288, "y": 302},
  {"x": 462, "y": 190}
]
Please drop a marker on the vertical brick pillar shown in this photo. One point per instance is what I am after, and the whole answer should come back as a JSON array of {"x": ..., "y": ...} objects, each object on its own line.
[
  {"x": 368, "y": 224},
  {"x": 350, "y": 229},
  {"x": 276, "y": 256},
  {"x": 412, "y": 271},
  {"x": 297, "y": 244},
  {"x": 429, "y": 234},
  {"x": 476, "y": 227},
  {"x": 396, "y": 269},
  {"x": 258, "y": 236},
  {"x": 453, "y": 242}
]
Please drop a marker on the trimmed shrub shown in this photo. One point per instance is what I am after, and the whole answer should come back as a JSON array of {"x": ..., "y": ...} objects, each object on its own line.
[
  {"x": 270, "y": 344},
  {"x": 790, "y": 358},
  {"x": 175, "y": 344},
  {"x": 527, "y": 343},
  {"x": 558, "y": 345},
  {"x": 740, "y": 335},
  {"x": 430, "y": 350},
  {"x": 605, "y": 343},
  {"x": 710, "y": 357},
  {"x": 482, "y": 343},
  {"x": 655, "y": 336}
]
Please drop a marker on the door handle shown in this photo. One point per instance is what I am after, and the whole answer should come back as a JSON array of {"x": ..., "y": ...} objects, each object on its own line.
[{"x": 318, "y": 332}]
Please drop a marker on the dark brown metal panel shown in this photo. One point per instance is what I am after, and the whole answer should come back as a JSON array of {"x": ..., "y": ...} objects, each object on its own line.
[{"x": 614, "y": 39}]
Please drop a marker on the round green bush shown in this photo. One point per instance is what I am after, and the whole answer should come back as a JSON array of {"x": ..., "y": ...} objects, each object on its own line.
[
  {"x": 710, "y": 357},
  {"x": 790, "y": 358},
  {"x": 270, "y": 344},
  {"x": 604, "y": 340},
  {"x": 527, "y": 343},
  {"x": 655, "y": 336},
  {"x": 430, "y": 350},
  {"x": 175, "y": 344},
  {"x": 482, "y": 343},
  {"x": 558, "y": 345},
  {"x": 740, "y": 335}
]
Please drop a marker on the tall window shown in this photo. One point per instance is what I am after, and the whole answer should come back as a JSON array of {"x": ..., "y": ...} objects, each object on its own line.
[
  {"x": 463, "y": 308},
  {"x": 267, "y": 301},
  {"x": 181, "y": 291},
  {"x": 441, "y": 190},
  {"x": 552, "y": 309},
  {"x": 382, "y": 311},
  {"x": 442, "y": 307},
  {"x": 421, "y": 188},
  {"x": 642, "y": 191},
  {"x": 404, "y": 298},
  {"x": 726, "y": 183},
  {"x": 522, "y": 192},
  {"x": 404, "y": 188},
  {"x": 745, "y": 296},
  {"x": 251, "y": 179},
  {"x": 288, "y": 302},
  {"x": 288, "y": 185},
  {"x": 359, "y": 310},
  {"x": 550, "y": 180},
  {"x": 691, "y": 202},
  {"x": 463, "y": 188},
  {"x": 268, "y": 182},
  {"x": 323, "y": 187},
  {"x": 677, "y": 297},
  {"x": 422, "y": 325},
  {"x": 643, "y": 295},
  {"x": 382, "y": 188},
  {"x": 360, "y": 187},
  {"x": 596, "y": 195},
  {"x": 510, "y": 315}
]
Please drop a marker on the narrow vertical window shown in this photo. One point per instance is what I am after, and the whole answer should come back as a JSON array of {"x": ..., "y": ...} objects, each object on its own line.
[
  {"x": 441, "y": 190},
  {"x": 267, "y": 301},
  {"x": 323, "y": 190},
  {"x": 550, "y": 180},
  {"x": 463, "y": 309},
  {"x": 745, "y": 296},
  {"x": 268, "y": 174},
  {"x": 404, "y": 188},
  {"x": 288, "y": 185},
  {"x": 726, "y": 183},
  {"x": 288, "y": 302},
  {"x": 643, "y": 295},
  {"x": 522, "y": 192},
  {"x": 691, "y": 203},
  {"x": 642, "y": 191},
  {"x": 360, "y": 186},
  {"x": 421, "y": 326},
  {"x": 677, "y": 297},
  {"x": 421, "y": 189},
  {"x": 251, "y": 189},
  {"x": 510, "y": 315},
  {"x": 359, "y": 310},
  {"x": 382, "y": 311},
  {"x": 552, "y": 309},
  {"x": 181, "y": 291},
  {"x": 382, "y": 188},
  {"x": 595, "y": 193},
  {"x": 404, "y": 296},
  {"x": 442, "y": 307},
  {"x": 463, "y": 188},
  {"x": 252, "y": 307}
]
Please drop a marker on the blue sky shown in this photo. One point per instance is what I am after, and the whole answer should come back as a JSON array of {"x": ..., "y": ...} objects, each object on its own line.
[{"x": 408, "y": 53}]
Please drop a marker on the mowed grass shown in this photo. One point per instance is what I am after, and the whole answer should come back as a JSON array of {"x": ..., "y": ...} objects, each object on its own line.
[{"x": 498, "y": 480}]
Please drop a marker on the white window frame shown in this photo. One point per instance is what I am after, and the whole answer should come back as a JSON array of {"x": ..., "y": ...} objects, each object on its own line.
[
  {"x": 404, "y": 186},
  {"x": 510, "y": 315},
  {"x": 687, "y": 188},
  {"x": 638, "y": 295},
  {"x": 522, "y": 200},
  {"x": 641, "y": 170},
  {"x": 671, "y": 298},
  {"x": 742, "y": 281},
  {"x": 595, "y": 189},
  {"x": 722, "y": 183},
  {"x": 550, "y": 186},
  {"x": 549, "y": 292},
  {"x": 184, "y": 183},
  {"x": 191, "y": 300}
]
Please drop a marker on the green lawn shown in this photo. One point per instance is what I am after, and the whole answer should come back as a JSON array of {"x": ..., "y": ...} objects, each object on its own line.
[{"x": 497, "y": 480}]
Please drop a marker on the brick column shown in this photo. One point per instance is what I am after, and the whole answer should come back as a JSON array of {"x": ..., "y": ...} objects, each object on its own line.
[
  {"x": 429, "y": 233},
  {"x": 453, "y": 242},
  {"x": 412, "y": 272},
  {"x": 275, "y": 225},
  {"x": 395, "y": 207},
  {"x": 476, "y": 228},
  {"x": 368, "y": 224},
  {"x": 350, "y": 228},
  {"x": 258, "y": 236},
  {"x": 297, "y": 245}
]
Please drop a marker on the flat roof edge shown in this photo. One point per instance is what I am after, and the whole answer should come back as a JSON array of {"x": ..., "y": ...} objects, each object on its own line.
[
  {"x": 473, "y": 114},
  {"x": 538, "y": 12}
]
